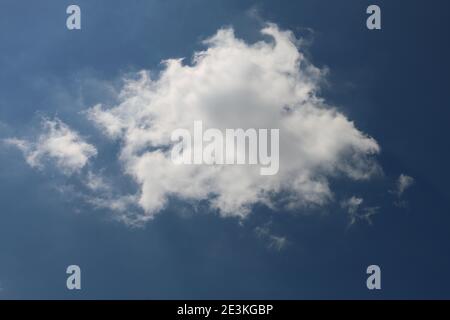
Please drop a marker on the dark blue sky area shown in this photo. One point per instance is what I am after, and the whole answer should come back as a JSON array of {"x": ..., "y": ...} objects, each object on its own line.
[{"x": 393, "y": 83}]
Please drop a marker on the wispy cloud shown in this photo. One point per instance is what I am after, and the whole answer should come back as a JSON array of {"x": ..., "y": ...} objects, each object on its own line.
[
  {"x": 274, "y": 242},
  {"x": 57, "y": 144},
  {"x": 404, "y": 182},
  {"x": 96, "y": 182},
  {"x": 357, "y": 212}
]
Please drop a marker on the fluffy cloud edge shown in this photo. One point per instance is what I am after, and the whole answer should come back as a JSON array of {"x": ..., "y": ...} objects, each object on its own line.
[{"x": 58, "y": 144}]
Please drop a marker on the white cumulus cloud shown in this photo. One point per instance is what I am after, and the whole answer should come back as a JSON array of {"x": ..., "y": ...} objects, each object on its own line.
[{"x": 235, "y": 84}]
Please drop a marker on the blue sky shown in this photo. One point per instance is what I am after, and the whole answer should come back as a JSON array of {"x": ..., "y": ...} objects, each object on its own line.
[{"x": 392, "y": 83}]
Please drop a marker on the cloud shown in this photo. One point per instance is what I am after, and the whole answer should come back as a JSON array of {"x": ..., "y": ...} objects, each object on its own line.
[
  {"x": 357, "y": 212},
  {"x": 122, "y": 205},
  {"x": 404, "y": 182},
  {"x": 352, "y": 204},
  {"x": 96, "y": 182},
  {"x": 234, "y": 84},
  {"x": 57, "y": 144},
  {"x": 274, "y": 242}
]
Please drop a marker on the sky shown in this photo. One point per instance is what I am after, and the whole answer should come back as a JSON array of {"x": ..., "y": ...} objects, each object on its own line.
[{"x": 85, "y": 121}]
